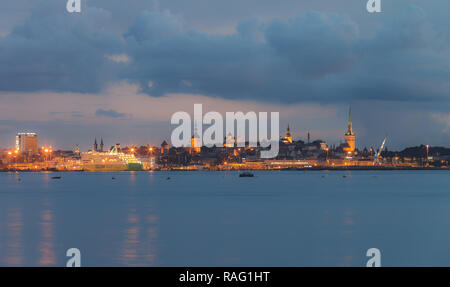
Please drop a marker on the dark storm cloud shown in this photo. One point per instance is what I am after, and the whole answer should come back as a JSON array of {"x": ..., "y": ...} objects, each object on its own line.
[
  {"x": 284, "y": 61},
  {"x": 54, "y": 50},
  {"x": 314, "y": 56},
  {"x": 315, "y": 44}
]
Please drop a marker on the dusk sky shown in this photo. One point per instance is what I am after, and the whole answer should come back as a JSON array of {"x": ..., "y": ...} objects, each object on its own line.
[{"x": 120, "y": 69}]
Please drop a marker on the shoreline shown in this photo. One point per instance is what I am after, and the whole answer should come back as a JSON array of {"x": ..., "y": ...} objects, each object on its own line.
[{"x": 239, "y": 170}]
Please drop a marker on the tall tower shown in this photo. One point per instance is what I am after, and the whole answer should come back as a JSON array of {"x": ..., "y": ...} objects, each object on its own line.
[
  {"x": 229, "y": 141},
  {"x": 195, "y": 142},
  {"x": 350, "y": 135},
  {"x": 27, "y": 143},
  {"x": 164, "y": 148},
  {"x": 101, "y": 145},
  {"x": 288, "y": 135},
  {"x": 95, "y": 145}
]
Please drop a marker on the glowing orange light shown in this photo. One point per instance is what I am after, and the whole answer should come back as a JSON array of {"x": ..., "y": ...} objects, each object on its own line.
[{"x": 9, "y": 153}]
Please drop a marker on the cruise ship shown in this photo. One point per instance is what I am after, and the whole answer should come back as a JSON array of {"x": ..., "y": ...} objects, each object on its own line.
[{"x": 110, "y": 161}]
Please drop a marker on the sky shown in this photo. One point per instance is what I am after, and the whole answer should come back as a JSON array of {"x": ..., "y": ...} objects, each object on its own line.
[{"x": 120, "y": 69}]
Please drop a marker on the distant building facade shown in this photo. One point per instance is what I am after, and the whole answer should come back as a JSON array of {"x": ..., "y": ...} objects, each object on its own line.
[
  {"x": 27, "y": 143},
  {"x": 164, "y": 148}
]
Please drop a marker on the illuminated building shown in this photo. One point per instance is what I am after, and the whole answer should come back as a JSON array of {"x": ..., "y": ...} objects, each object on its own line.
[
  {"x": 195, "y": 142},
  {"x": 288, "y": 137},
  {"x": 229, "y": 141},
  {"x": 27, "y": 143},
  {"x": 164, "y": 148},
  {"x": 350, "y": 135}
]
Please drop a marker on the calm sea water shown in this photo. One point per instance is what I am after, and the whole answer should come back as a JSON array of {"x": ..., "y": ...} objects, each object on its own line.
[{"x": 288, "y": 218}]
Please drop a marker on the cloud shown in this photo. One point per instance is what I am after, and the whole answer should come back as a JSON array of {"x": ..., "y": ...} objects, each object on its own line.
[
  {"x": 147, "y": 118},
  {"x": 315, "y": 44},
  {"x": 118, "y": 58},
  {"x": 58, "y": 51},
  {"x": 443, "y": 119},
  {"x": 312, "y": 57},
  {"x": 154, "y": 26},
  {"x": 73, "y": 114},
  {"x": 109, "y": 113}
]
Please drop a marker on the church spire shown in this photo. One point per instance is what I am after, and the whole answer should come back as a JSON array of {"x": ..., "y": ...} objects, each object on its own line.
[
  {"x": 350, "y": 127},
  {"x": 288, "y": 137},
  {"x": 195, "y": 135},
  {"x": 349, "y": 135},
  {"x": 95, "y": 145},
  {"x": 195, "y": 140}
]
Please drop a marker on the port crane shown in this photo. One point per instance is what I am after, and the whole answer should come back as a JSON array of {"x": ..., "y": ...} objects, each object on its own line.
[{"x": 377, "y": 156}]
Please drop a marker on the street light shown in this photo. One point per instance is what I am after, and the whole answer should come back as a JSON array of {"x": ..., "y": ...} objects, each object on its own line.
[{"x": 427, "y": 153}]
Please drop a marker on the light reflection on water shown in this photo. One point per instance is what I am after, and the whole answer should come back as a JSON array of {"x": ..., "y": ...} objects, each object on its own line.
[
  {"x": 14, "y": 238},
  {"x": 210, "y": 219},
  {"x": 139, "y": 244},
  {"x": 47, "y": 238}
]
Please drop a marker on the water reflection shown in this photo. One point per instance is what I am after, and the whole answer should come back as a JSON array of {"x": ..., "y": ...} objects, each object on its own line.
[
  {"x": 152, "y": 235},
  {"x": 47, "y": 234},
  {"x": 348, "y": 230},
  {"x": 124, "y": 222},
  {"x": 14, "y": 238},
  {"x": 140, "y": 238},
  {"x": 129, "y": 252}
]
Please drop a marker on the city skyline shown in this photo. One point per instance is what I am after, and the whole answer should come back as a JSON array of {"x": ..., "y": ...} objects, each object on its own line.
[
  {"x": 229, "y": 152},
  {"x": 335, "y": 137},
  {"x": 27, "y": 142}
]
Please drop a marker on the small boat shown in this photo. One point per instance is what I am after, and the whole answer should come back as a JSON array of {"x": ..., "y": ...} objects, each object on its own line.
[
  {"x": 56, "y": 177},
  {"x": 246, "y": 174}
]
